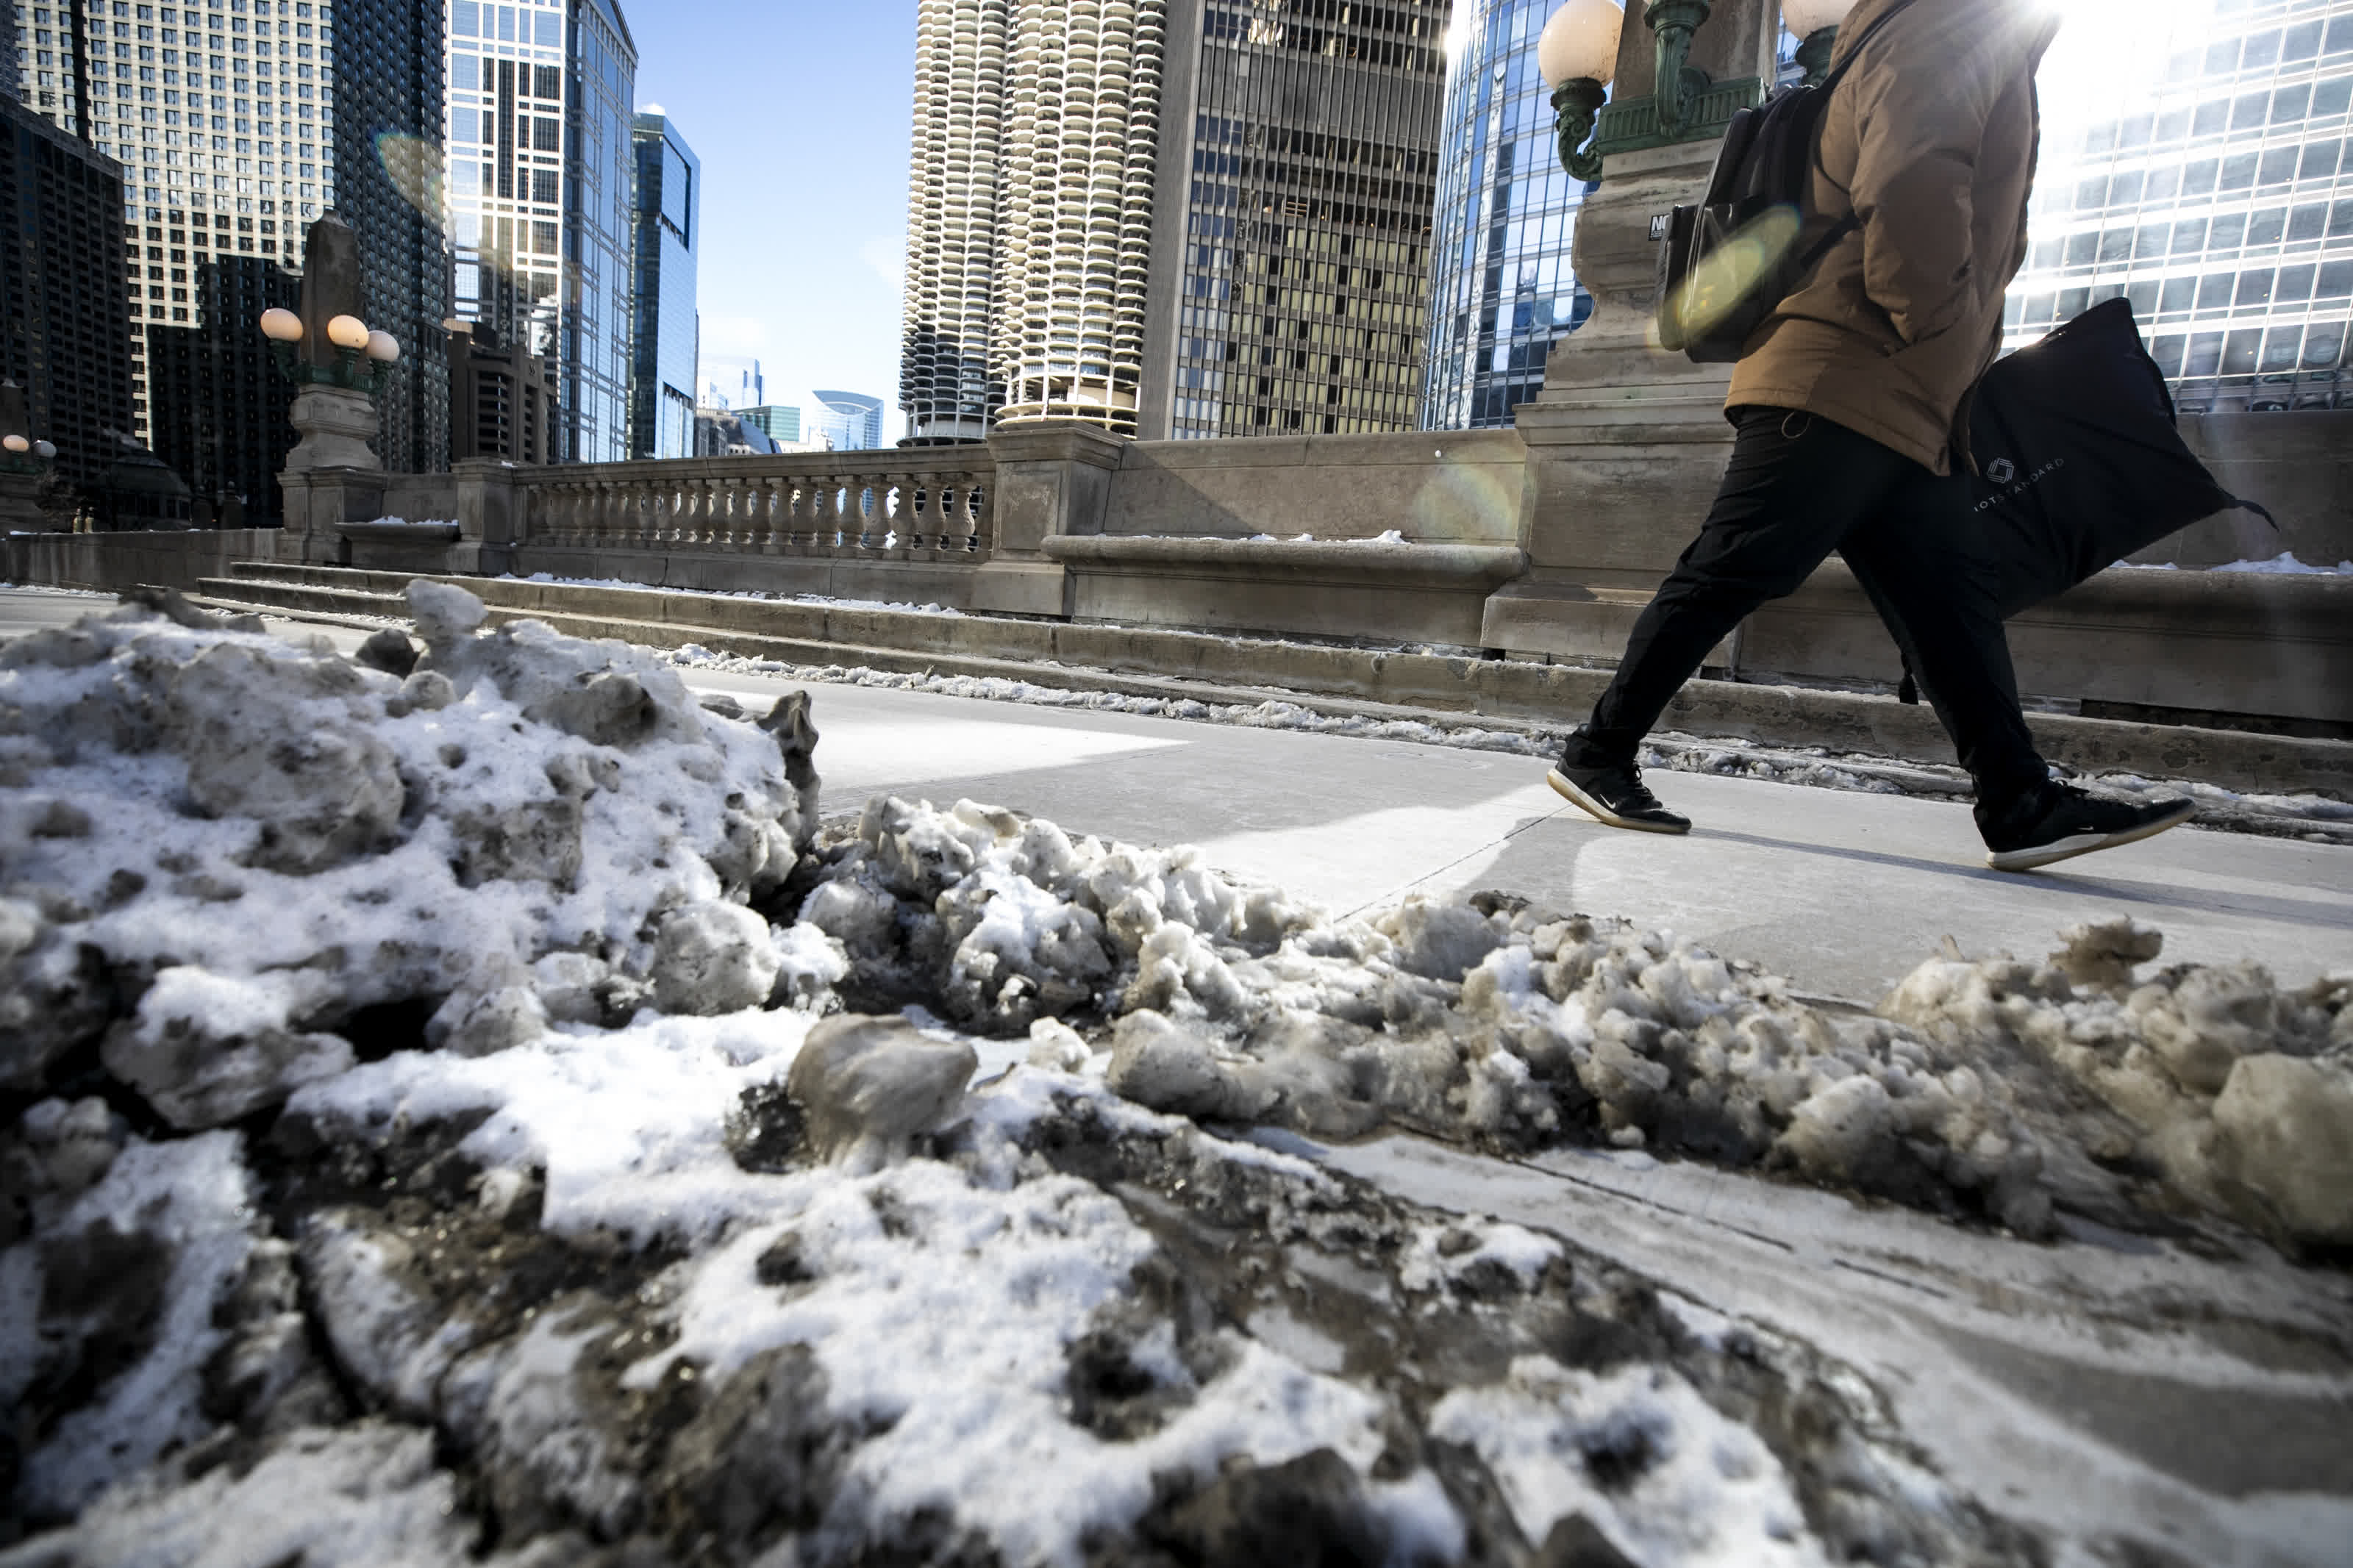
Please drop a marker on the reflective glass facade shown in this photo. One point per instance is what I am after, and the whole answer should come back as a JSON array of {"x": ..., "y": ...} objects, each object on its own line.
[
  {"x": 2196, "y": 162},
  {"x": 669, "y": 230},
  {"x": 847, "y": 421},
  {"x": 540, "y": 172},
  {"x": 1502, "y": 292}
]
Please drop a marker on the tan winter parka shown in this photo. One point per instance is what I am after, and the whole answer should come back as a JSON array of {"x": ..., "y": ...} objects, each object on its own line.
[{"x": 1931, "y": 141}]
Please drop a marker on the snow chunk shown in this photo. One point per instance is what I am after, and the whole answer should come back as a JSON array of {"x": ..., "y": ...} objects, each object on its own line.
[
  {"x": 868, "y": 1085},
  {"x": 1639, "y": 1455}
]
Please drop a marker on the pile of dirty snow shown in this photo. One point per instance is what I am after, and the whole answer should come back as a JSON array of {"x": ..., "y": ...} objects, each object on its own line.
[
  {"x": 1501, "y": 1022},
  {"x": 233, "y": 863},
  {"x": 456, "y": 1110}
]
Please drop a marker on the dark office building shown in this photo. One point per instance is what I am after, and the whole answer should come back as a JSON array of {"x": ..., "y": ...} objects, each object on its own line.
[
  {"x": 505, "y": 400},
  {"x": 237, "y": 125},
  {"x": 388, "y": 119},
  {"x": 66, "y": 342},
  {"x": 1293, "y": 202},
  {"x": 222, "y": 421}
]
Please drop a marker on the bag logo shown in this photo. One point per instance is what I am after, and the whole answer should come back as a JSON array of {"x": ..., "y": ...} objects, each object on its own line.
[{"x": 2002, "y": 471}]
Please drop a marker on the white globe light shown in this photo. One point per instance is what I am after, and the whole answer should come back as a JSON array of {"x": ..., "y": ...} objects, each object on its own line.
[
  {"x": 382, "y": 346},
  {"x": 45, "y": 449},
  {"x": 348, "y": 332},
  {"x": 1582, "y": 40},
  {"x": 281, "y": 325},
  {"x": 15, "y": 443},
  {"x": 1804, "y": 18}
]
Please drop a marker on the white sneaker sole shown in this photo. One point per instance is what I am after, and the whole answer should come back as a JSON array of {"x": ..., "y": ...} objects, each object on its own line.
[
  {"x": 2085, "y": 843},
  {"x": 1584, "y": 803}
]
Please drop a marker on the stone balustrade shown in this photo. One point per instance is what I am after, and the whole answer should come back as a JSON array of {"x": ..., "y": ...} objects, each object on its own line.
[{"x": 923, "y": 505}]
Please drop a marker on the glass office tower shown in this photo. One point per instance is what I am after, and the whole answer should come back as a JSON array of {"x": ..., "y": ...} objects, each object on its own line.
[
  {"x": 2195, "y": 162},
  {"x": 541, "y": 165},
  {"x": 847, "y": 421},
  {"x": 669, "y": 231},
  {"x": 1500, "y": 291}
]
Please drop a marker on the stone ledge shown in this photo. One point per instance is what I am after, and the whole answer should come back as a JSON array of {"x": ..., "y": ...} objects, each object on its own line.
[
  {"x": 1354, "y": 562},
  {"x": 1320, "y": 677}
]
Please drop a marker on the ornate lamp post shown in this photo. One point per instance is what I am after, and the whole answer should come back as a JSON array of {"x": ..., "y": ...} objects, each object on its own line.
[
  {"x": 25, "y": 463},
  {"x": 1816, "y": 23},
  {"x": 350, "y": 337},
  {"x": 337, "y": 362},
  {"x": 1679, "y": 83},
  {"x": 1577, "y": 54}
]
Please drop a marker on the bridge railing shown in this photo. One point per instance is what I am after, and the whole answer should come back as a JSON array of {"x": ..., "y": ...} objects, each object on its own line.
[{"x": 931, "y": 505}]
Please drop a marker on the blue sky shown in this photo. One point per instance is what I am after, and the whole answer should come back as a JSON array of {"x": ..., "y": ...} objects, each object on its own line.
[{"x": 799, "y": 114}]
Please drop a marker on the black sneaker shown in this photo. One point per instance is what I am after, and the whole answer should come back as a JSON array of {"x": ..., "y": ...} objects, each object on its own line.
[
  {"x": 1614, "y": 792},
  {"x": 2067, "y": 822}
]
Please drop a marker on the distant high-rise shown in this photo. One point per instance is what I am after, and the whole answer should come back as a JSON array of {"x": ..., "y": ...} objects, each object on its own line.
[
  {"x": 237, "y": 125},
  {"x": 779, "y": 422},
  {"x": 847, "y": 421},
  {"x": 2199, "y": 167},
  {"x": 1169, "y": 217},
  {"x": 665, "y": 335},
  {"x": 541, "y": 167},
  {"x": 64, "y": 337}
]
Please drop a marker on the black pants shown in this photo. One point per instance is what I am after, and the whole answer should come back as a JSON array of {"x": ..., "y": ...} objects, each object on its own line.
[{"x": 1800, "y": 486}]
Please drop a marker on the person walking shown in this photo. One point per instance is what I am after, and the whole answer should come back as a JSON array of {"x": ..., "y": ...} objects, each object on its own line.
[{"x": 1849, "y": 408}]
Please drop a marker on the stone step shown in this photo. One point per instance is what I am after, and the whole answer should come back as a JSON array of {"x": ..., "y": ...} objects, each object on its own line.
[{"x": 1376, "y": 683}]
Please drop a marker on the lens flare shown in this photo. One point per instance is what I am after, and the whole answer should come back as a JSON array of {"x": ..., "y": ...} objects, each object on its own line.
[
  {"x": 1473, "y": 503},
  {"x": 414, "y": 166},
  {"x": 1716, "y": 286}
]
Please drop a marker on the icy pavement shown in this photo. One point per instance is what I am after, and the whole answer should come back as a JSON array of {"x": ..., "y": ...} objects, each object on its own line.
[
  {"x": 443, "y": 1046},
  {"x": 1842, "y": 892}
]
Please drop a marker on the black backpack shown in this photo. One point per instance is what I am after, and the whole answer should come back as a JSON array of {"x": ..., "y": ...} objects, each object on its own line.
[{"x": 1730, "y": 262}]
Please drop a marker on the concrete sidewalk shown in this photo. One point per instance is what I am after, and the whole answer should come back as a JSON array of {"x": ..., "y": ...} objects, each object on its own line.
[{"x": 1845, "y": 893}]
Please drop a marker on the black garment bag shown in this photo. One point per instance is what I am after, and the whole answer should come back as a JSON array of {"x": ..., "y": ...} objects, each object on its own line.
[{"x": 2079, "y": 462}]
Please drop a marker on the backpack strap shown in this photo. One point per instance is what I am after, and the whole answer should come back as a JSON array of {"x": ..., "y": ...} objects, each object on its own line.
[{"x": 1852, "y": 221}]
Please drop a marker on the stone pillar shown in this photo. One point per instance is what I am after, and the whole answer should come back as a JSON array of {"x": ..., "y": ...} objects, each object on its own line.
[
  {"x": 333, "y": 476},
  {"x": 1053, "y": 476},
  {"x": 1626, "y": 444},
  {"x": 491, "y": 516}
]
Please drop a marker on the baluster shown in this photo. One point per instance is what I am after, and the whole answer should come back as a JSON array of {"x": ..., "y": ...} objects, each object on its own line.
[
  {"x": 834, "y": 535},
  {"x": 870, "y": 499},
  {"x": 764, "y": 497},
  {"x": 955, "y": 494},
  {"x": 721, "y": 531},
  {"x": 981, "y": 504},
  {"x": 573, "y": 529},
  {"x": 919, "y": 517}
]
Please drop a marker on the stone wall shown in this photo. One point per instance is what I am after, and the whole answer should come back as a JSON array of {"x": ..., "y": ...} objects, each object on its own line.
[{"x": 110, "y": 563}]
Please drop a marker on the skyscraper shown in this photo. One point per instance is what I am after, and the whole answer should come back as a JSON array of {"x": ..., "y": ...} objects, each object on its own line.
[
  {"x": 1291, "y": 242},
  {"x": 64, "y": 337},
  {"x": 1502, "y": 291},
  {"x": 1168, "y": 217},
  {"x": 665, "y": 336},
  {"x": 847, "y": 421},
  {"x": 541, "y": 165},
  {"x": 237, "y": 122},
  {"x": 2196, "y": 163}
]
